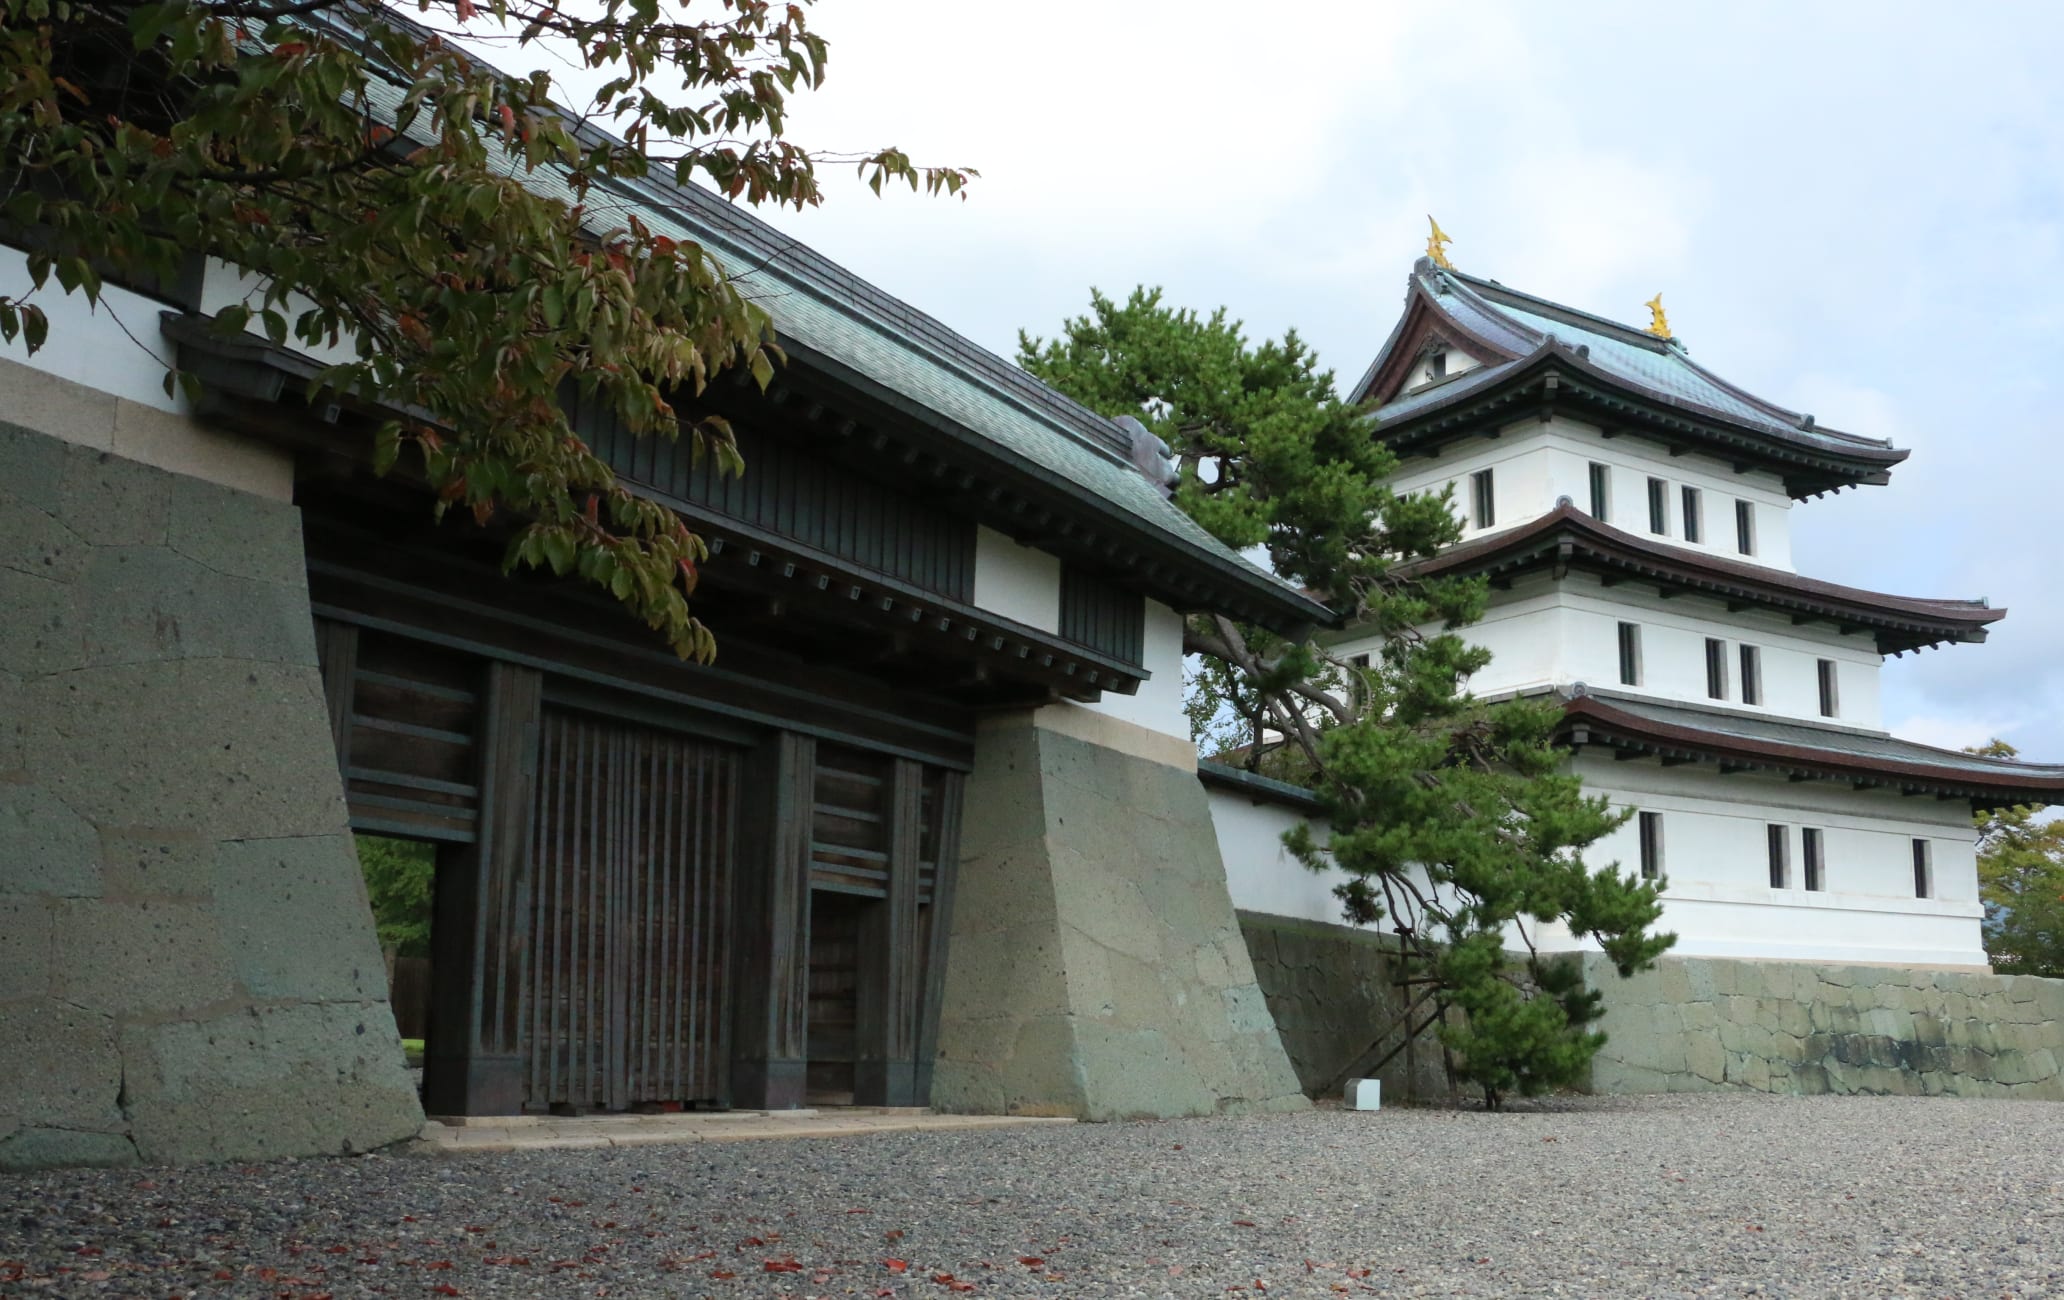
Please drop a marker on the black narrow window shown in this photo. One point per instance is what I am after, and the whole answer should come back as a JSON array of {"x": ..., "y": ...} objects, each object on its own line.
[
  {"x": 1780, "y": 838},
  {"x": 1830, "y": 697},
  {"x": 1924, "y": 870},
  {"x": 1483, "y": 498},
  {"x": 1745, "y": 527},
  {"x": 1658, "y": 506},
  {"x": 1809, "y": 854},
  {"x": 1651, "y": 845},
  {"x": 1751, "y": 675},
  {"x": 1601, "y": 492},
  {"x": 1437, "y": 365},
  {"x": 1630, "y": 654},
  {"x": 1716, "y": 668},
  {"x": 1694, "y": 518}
]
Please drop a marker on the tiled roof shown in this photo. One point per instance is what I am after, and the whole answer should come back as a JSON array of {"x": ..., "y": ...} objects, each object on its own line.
[
  {"x": 823, "y": 311},
  {"x": 1901, "y": 622},
  {"x": 1515, "y": 332},
  {"x": 1750, "y": 741}
]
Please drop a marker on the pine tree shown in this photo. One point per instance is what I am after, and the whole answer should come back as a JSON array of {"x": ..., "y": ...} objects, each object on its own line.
[
  {"x": 1454, "y": 819},
  {"x": 2021, "y": 880}
]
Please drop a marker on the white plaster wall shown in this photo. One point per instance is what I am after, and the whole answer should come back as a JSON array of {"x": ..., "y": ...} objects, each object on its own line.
[
  {"x": 1158, "y": 704},
  {"x": 92, "y": 345},
  {"x": 1018, "y": 582},
  {"x": 1260, "y": 874},
  {"x": 1458, "y": 362},
  {"x": 1542, "y": 633},
  {"x": 223, "y": 285},
  {"x": 1536, "y": 464},
  {"x": 1716, "y": 860}
]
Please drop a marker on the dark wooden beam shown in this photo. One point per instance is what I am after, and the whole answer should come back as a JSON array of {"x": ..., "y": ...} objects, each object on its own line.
[
  {"x": 771, "y": 943},
  {"x": 480, "y": 927},
  {"x": 885, "y": 1028},
  {"x": 937, "y": 927}
]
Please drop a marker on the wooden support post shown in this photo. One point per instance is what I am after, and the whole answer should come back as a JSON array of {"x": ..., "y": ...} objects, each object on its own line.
[
  {"x": 336, "y": 649},
  {"x": 480, "y": 926},
  {"x": 771, "y": 928},
  {"x": 938, "y": 929},
  {"x": 885, "y": 1039}
]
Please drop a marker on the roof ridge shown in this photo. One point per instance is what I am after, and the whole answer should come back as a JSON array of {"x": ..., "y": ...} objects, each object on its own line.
[
  {"x": 1488, "y": 292},
  {"x": 793, "y": 259},
  {"x": 1493, "y": 295}
]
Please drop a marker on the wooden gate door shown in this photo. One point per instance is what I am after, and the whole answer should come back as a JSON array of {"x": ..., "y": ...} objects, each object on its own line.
[{"x": 632, "y": 864}]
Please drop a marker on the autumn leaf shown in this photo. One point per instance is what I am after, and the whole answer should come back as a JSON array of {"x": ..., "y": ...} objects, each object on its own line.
[
  {"x": 722, "y": 1273},
  {"x": 895, "y": 1265},
  {"x": 1031, "y": 1261}
]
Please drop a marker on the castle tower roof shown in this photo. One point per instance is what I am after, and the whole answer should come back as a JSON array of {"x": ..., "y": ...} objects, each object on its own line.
[{"x": 1534, "y": 356}]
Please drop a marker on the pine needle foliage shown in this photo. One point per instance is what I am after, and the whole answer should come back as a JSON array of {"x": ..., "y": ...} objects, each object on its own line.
[
  {"x": 1455, "y": 819},
  {"x": 2021, "y": 881}
]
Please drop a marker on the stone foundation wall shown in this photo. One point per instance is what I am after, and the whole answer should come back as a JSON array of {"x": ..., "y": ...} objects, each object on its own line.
[
  {"x": 1698, "y": 1024},
  {"x": 1096, "y": 968},
  {"x": 1332, "y": 990},
  {"x": 188, "y": 968}
]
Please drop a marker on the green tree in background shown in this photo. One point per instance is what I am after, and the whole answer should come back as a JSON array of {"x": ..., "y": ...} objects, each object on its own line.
[
  {"x": 400, "y": 877},
  {"x": 2021, "y": 880},
  {"x": 1454, "y": 819},
  {"x": 394, "y": 200}
]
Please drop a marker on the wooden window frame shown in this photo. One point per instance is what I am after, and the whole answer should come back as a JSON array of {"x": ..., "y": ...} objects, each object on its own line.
[
  {"x": 1601, "y": 492},
  {"x": 1830, "y": 682},
  {"x": 1745, "y": 527},
  {"x": 1751, "y": 674},
  {"x": 1716, "y": 668},
  {"x": 1659, "y": 507},
  {"x": 1483, "y": 499},
  {"x": 1650, "y": 833},
  {"x": 1813, "y": 858},
  {"x": 1924, "y": 867},
  {"x": 1694, "y": 513},
  {"x": 1778, "y": 837},
  {"x": 1630, "y": 654}
]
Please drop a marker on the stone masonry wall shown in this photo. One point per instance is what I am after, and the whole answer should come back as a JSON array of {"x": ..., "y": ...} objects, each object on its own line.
[
  {"x": 1096, "y": 968},
  {"x": 188, "y": 968},
  {"x": 1332, "y": 990},
  {"x": 1698, "y": 1024}
]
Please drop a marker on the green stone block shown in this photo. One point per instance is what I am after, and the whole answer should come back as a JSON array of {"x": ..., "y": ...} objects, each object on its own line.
[{"x": 57, "y": 1148}]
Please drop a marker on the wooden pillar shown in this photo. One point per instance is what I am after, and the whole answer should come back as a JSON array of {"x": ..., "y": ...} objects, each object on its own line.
[
  {"x": 938, "y": 929},
  {"x": 771, "y": 928},
  {"x": 336, "y": 649},
  {"x": 885, "y": 1039},
  {"x": 480, "y": 927}
]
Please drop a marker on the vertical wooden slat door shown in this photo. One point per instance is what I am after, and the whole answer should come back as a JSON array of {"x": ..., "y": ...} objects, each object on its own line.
[{"x": 632, "y": 867}]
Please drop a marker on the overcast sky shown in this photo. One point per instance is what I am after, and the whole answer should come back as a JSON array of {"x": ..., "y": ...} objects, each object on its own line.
[{"x": 1852, "y": 210}]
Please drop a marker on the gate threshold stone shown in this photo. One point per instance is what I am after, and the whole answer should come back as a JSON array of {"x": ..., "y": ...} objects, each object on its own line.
[{"x": 545, "y": 1132}]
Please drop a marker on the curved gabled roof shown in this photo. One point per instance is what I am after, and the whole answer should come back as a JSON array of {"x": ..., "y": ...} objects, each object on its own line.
[
  {"x": 1643, "y": 381},
  {"x": 1741, "y": 742},
  {"x": 1568, "y": 537}
]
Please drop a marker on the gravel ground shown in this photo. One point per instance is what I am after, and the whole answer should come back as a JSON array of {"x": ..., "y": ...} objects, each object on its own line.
[{"x": 1731, "y": 1195}]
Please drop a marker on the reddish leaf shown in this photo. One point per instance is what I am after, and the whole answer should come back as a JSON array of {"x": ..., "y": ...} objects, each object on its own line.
[
  {"x": 1243, "y": 1223},
  {"x": 444, "y": 1288},
  {"x": 1031, "y": 1261},
  {"x": 722, "y": 1273},
  {"x": 893, "y": 1234},
  {"x": 788, "y": 1265},
  {"x": 895, "y": 1265}
]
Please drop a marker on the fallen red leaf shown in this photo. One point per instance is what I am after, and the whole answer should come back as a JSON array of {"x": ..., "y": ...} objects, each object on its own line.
[
  {"x": 1031, "y": 1261},
  {"x": 788, "y": 1265},
  {"x": 444, "y": 1288},
  {"x": 893, "y": 1234},
  {"x": 895, "y": 1265},
  {"x": 1243, "y": 1223}
]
